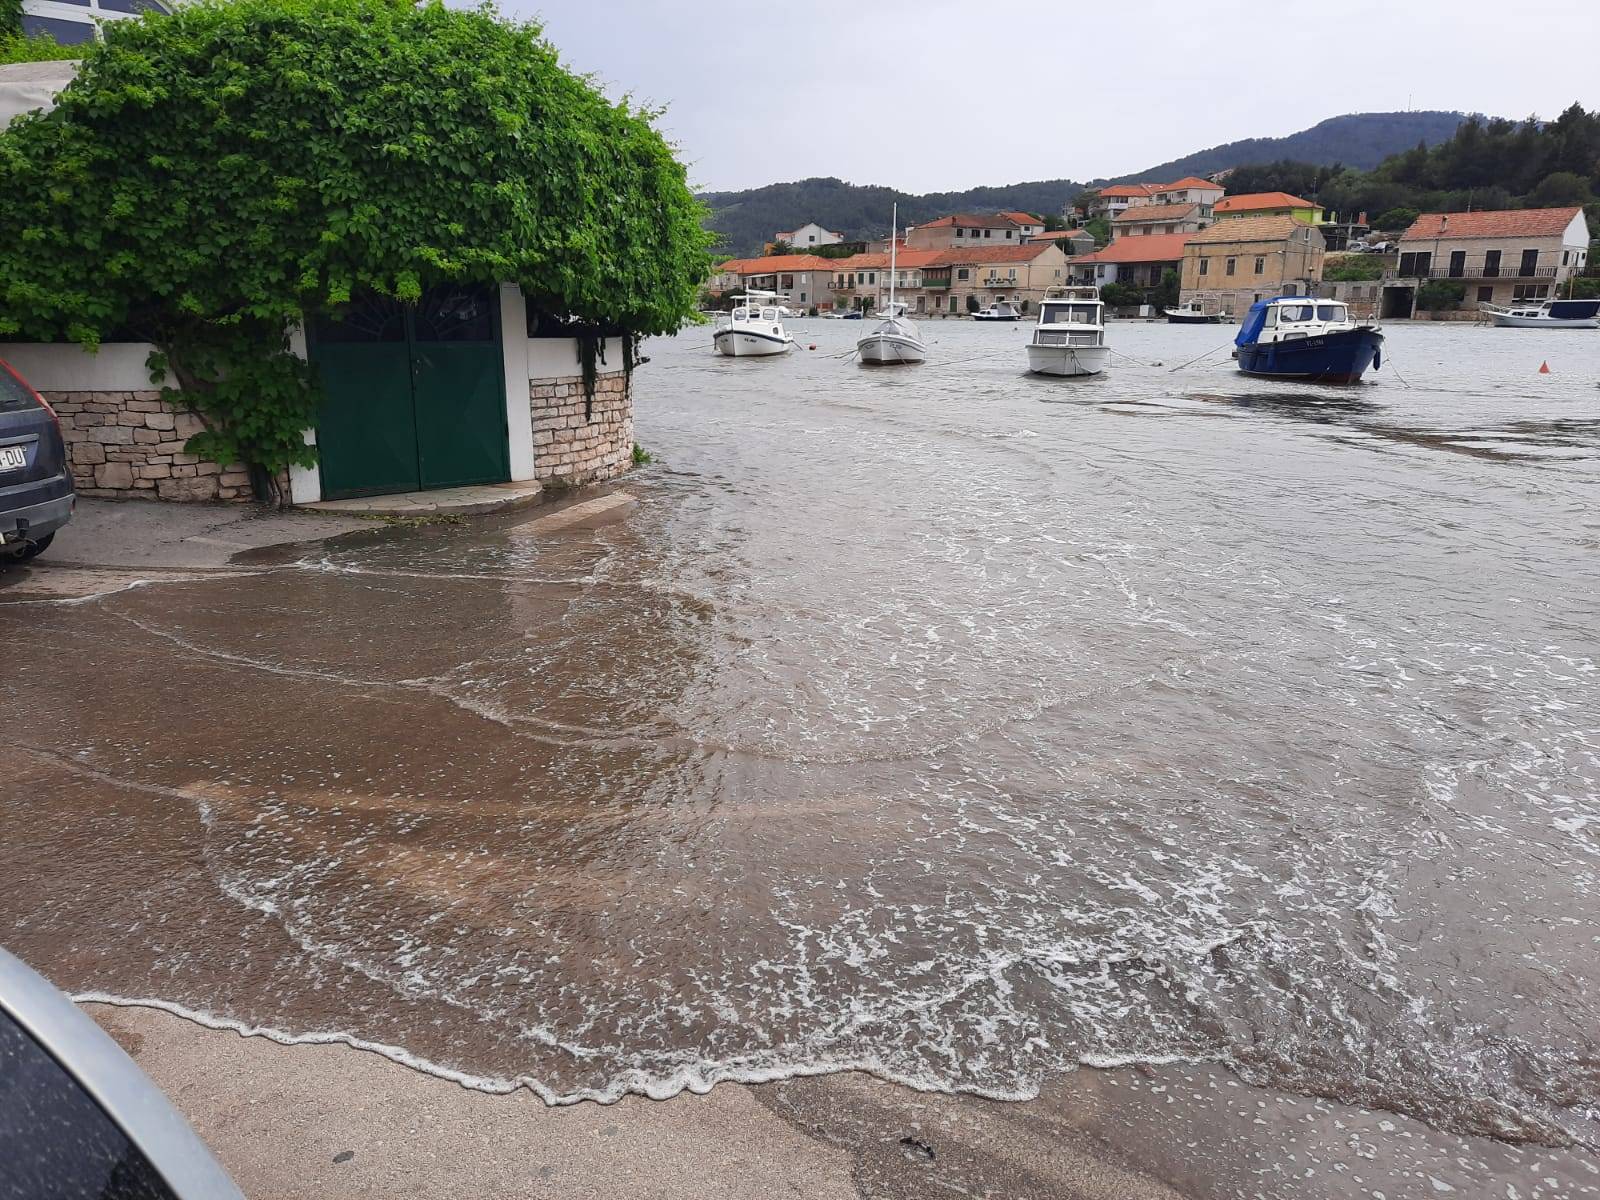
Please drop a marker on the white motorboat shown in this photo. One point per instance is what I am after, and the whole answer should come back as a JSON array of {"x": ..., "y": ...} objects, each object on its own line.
[
  {"x": 1001, "y": 311},
  {"x": 895, "y": 339},
  {"x": 753, "y": 330},
  {"x": 1546, "y": 314},
  {"x": 1070, "y": 337}
]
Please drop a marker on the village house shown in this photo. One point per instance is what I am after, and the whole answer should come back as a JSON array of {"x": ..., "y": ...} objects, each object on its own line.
[
  {"x": 1241, "y": 260},
  {"x": 1135, "y": 261},
  {"x": 989, "y": 274},
  {"x": 1189, "y": 190},
  {"x": 1268, "y": 204},
  {"x": 1498, "y": 256},
  {"x": 963, "y": 229},
  {"x": 1027, "y": 224},
  {"x": 1116, "y": 198},
  {"x": 800, "y": 279},
  {"x": 941, "y": 281},
  {"x": 808, "y": 236},
  {"x": 1145, "y": 220},
  {"x": 1072, "y": 241},
  {"x": 862, "y": 278}
]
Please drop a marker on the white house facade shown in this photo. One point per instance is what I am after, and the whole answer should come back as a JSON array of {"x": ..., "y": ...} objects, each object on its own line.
[
  {"x": 74, "y": 23},
  {"x": 808, "y": 236}
]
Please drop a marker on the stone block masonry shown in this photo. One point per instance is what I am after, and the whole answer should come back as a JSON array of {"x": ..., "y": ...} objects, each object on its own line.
[
  {"x": 129, "y": 445},
  {"x": 576, "y": 440}
]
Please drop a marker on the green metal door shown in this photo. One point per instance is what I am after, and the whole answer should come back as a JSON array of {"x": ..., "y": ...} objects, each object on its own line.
[
  {"x": 413, "y": 396},
  {"x": 366, "y": 433},
  {"x": 458, "y": 379}
]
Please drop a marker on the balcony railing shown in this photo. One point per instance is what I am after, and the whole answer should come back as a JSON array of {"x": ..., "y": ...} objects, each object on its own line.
[
  {"x": 935, "y": 283},
  {"x": 998, "y": 281},
  {"x": 1511, "y": 271}
]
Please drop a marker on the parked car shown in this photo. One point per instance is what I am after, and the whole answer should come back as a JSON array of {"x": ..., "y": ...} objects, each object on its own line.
[
  {"x": 78, "y": 1119},
  {"x": 36, "y": 496}
]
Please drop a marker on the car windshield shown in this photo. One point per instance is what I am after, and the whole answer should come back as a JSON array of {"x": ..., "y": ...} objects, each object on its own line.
[{"x": 13, "y": 396}]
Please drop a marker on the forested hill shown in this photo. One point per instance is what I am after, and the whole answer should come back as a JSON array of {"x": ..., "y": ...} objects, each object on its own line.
[
  {"x": 749, "y": 218},
  {"x": 1358, "y": 140}
]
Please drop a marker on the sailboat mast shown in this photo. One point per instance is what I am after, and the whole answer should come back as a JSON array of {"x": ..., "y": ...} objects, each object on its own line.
[{"x": 894, "y": 237}]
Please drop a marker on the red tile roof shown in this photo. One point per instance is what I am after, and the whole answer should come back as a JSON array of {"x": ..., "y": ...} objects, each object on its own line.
[
  {"x": 1022, "y": 218},
  {"x": 779, "y": 263},
  {"x": 1154, "y": 212},
  {"x": 1127, "y": 189},
  {"x": 1267, "y": 227},
  {"x": 1157, "y": 247},
  {"x": 1058, "y": 235},
  {"x": 962, "y": 255},
  {"x": 1188, "y": 181},
  {"x": 988, "y": 221},
  {"x": 1255, "y": 201},
  {"x": 903, "y": 258},
  {"x": 1515, "y": 222}
]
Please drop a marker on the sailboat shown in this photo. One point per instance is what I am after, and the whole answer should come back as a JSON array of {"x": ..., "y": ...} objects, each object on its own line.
[{"x": 895, "y": 339}]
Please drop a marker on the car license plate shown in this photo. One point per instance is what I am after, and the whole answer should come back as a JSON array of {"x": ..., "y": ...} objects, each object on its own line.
[{"x": 13, "y": 458}]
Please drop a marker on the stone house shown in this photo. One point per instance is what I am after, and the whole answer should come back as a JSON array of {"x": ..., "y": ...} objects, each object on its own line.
[
  {"x": 963, "y": 229},
  {"x": 920, "y": 283},
  {"x": 1145, "y": 220},
  {"x": 1116, "y": 198},
  {"x": 1499, "y": 257},
  {"x": 1136, "y": 261},
  {"x": 801, "y": 279},
  {"x": 465, "y": 387},
  {"x": 1016, "y": 273},
  {"x": 1268, "y": 204},
  {"x": 1240, "y": 260}
]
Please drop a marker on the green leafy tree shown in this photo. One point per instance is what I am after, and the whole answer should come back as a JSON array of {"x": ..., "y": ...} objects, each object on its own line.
[
  {"x": 1166, "y": 292},
  {"x": 1559, "y": 189},
  {"x": 1438, "y": 294},
  {"x": 10, "y": 20},
  {"x": 781, "y": 247},
  {"x": 1350, "y": 268},
  {"x": 1122, "y": 295},
  {"x": 1396, "y": 220},
  {"x": 1101, "y": 229},
  {"x": 215, "y": 176},
  {"x": 39, "y": 48},
  {"x": 972, "y": 304}
]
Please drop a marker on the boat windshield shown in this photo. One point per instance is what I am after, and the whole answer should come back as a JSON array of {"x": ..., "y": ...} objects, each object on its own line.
[
  {"x": 1081, "y": 314},
  {"x": 741, "y": 314},
  {"x": 1331, "y": 312},
  {"x": 1295, "y": 312},
  {"x": 769, "y": 314}
]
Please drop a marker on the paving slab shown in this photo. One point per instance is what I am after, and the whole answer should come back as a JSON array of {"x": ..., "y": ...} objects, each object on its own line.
[{"x": 460, "y": 501}]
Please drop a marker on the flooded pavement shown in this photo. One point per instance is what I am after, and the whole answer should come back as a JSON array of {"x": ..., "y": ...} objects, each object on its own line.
[{"x": 944, "y": 723}]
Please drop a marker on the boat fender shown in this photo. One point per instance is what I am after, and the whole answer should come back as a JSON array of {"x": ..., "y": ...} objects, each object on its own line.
[
  {"x": 1377, "y": 359},
  {"x": 813, "y": 346}
]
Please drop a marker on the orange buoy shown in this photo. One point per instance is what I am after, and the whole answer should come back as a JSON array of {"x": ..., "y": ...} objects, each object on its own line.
[{"x": 1544, "y": 368}]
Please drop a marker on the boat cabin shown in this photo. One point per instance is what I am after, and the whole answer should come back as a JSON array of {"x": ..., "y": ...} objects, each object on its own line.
[
  {"x": 1288, "y": 317},
  {"x": 1071, "y": 317}
]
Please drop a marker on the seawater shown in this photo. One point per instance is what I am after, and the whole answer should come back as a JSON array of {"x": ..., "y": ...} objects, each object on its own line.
[{"x": 945, "y": 722}]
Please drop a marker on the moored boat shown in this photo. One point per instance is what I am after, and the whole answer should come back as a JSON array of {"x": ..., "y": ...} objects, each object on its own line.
[
  {"x": 1070, "y": 336},
  {"x": 1001, "y": 311},
  {"x": 1545, "y": 314},
  {"x": 753, "y": 330},
  {"x": 1192, "y": 312},
  {"x": 1301, "y": 337},
  {"x": 895, "y": 339}
]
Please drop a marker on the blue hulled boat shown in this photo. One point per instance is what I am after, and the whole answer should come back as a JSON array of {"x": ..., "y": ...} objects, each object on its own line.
[{"x": 1301, "y": 337}]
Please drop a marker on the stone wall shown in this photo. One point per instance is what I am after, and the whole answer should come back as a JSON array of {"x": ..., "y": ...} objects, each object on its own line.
[
  {"x": 577, "y": 441},
  {"x": 129, "y": 445}
]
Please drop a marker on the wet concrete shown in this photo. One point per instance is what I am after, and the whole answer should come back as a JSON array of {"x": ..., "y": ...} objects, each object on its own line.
[{"x": 1210, "y": 767}]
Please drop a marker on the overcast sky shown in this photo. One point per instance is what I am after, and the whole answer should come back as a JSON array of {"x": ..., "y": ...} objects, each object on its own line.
[{"x": 938, "y": 95}]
